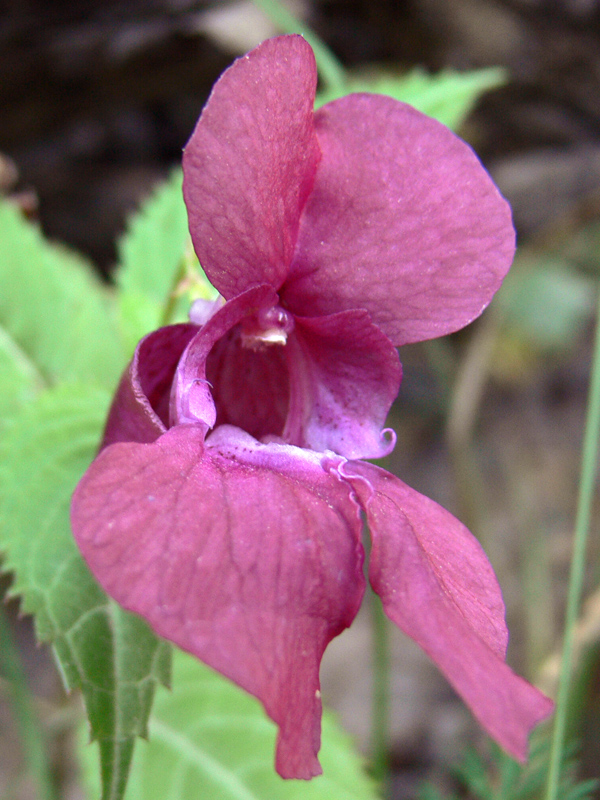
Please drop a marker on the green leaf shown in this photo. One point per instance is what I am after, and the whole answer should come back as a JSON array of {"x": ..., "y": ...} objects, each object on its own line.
[
  {"x": 155, "y": 256},
  {"x": 54, "y": 308},
  {"x": 138, "y": 315},
  {"x": 448, "y": 96},
  {"x": 110, "y": 654},
  {"x": 20, "y": 382},
  {"x": 208, "y": 739},
  {"x": 151, "y": 251}
]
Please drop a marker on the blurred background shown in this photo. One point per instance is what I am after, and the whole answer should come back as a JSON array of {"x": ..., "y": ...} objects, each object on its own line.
[{"x": 97, "y": 101}]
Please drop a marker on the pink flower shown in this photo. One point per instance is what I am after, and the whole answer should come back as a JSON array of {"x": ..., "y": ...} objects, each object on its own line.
[{"x": 333, "y": 236}]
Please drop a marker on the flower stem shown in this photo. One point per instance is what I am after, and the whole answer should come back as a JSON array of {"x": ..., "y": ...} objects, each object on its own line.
[
  {"x": 381, "y": 692},
  {"x": 331, "y": 71},
  {"x": 589, "y": 462},
  {"x": 172, "y": 298},
  {"x": 29, "y": 729},
  {"x": 465, "y": 404}
]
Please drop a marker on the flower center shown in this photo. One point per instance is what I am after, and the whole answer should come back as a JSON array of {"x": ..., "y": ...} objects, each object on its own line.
[
  {"x": 268, "y": 327},
  {"x": 249, "y": 374}
]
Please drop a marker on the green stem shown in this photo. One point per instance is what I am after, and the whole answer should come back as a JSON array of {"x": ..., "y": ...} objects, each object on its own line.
[
  {"x": 589, "y": 462},
  {"x": 465, "y": 404},
  {"x": 29, "y": 728},
  {"x": 381, "y": 691},
  {"x": 331, "y": 71},
  {"x": 172, "y": 298}
]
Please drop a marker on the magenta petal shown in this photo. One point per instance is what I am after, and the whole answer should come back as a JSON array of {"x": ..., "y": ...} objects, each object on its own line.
[
  {"x": 437, "y": 585},
  {"x": 344, "y": 376},
  {"x": 140, "y": 409},
  {"x": 191, "y": 396},
  {"x": 249, "y": 166},
  {"x": 402, "y": 221},
  {"x": 252, "y": 568}
]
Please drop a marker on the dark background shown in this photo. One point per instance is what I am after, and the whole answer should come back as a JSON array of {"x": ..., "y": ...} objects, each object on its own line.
[{"x": 98, "y": 98}]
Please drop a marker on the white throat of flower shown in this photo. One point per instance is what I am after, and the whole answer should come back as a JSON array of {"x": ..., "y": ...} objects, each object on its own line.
[{"x": 266, "y": 328}]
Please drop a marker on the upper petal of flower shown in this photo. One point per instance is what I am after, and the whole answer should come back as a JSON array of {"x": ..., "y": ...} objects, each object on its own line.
[
  {"x": 403, "y": 221},
  {"x": 250, "y": 164},
  {"x": 140, "y": 409},
  {"x": 437, "y": 585},
  {"x": 246, "y": 555}
]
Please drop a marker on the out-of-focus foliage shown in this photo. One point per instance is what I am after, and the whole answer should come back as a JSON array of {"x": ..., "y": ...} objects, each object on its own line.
[
  {"x": 19, "y": 379},
  {"x": 448, "y": 96},
  {"x": 111, "y": 655},
  {"x": 53, "y": 308},
  {"x": 499, "y": 777},
  {"x": 150, "y": 257},
  {"x": 208, "y": 738},
  {"x": 547, "y": 300},
  {"x": 158, "y": 273}
]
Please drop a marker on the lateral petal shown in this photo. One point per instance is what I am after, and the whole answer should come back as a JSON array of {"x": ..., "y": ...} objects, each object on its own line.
[
  {"x": 403, "y": 221},
  {"x": 140, "y": 408},
  {"x": 437, "y": 585},
  {"x": 246, "y": 555},
  {"x": 344, "y": 376},
  {"x": 250, "y": 163}
]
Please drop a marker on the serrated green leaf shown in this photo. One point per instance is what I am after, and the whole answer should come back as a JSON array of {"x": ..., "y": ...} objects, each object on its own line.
[
  {"x": 448, "y": 96},
  {"x": 209, "y": 739},
  {"x": 138, "y": 315},
  {"x": 151, "y": 251},
  {"x": 110, "y": 654},
  {"x": 155, "y": 255},
  {"x": 20, "y": 382},
  {"x": 54, "y": 308}
]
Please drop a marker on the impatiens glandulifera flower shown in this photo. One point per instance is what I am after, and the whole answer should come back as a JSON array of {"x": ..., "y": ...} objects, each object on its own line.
[{"x": 226, "y": 503}]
